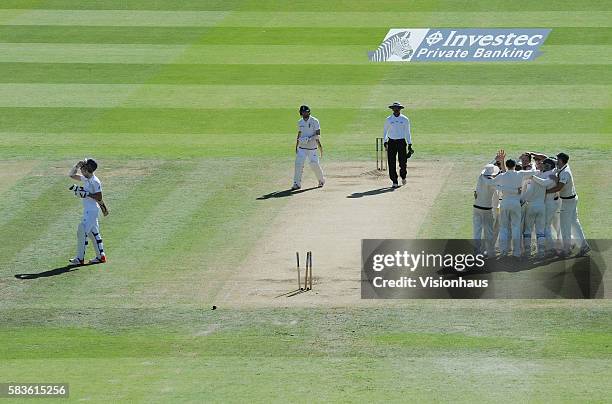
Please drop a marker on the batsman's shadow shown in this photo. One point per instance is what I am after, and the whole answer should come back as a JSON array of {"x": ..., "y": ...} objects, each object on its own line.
[
  {"x": 372, "y": 192},
  {"x": 51, "y": 272},
  {"x": 285, "y": 193}
]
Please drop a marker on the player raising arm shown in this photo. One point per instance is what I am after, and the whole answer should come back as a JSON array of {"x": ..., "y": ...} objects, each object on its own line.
[{"x": 91, "y": 193}]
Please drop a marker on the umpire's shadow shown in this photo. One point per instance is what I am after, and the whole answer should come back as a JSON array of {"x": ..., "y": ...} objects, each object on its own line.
[
  {"x": 372, "y": 192},
  {"x": 285, "y": 193},
  {"x": 51, "y": 272}
]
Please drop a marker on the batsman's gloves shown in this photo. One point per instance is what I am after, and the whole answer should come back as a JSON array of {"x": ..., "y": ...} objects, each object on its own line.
[
  {"x": 410, "y": 152},
  {"x": 79, "y": 191}
]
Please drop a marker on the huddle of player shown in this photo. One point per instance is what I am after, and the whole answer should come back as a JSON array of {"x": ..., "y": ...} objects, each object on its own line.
[{"x": 535, "y": 196}]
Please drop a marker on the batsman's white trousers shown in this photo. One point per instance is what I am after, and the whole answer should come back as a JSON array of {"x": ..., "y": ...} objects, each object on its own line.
[
  {"x": 569, "y": 223},
  {"x": 88, "y": 227},
  {"x": 510, "y": 218},
  {"x": 313, "y": 159},
  {"x": 551, "y": 224},
  {"x": 483, "y": 230},
  {"x": 535, "y": 214}
]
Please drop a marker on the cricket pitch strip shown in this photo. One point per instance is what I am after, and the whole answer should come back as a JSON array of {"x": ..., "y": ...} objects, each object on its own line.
[{"x": 356, "y": 203}]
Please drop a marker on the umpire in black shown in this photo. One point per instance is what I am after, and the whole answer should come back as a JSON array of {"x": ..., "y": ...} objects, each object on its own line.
[{"x": 398, "y": 142}]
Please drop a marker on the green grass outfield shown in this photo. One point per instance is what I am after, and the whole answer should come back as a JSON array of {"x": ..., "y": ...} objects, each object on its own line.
[{"x": 190, "y": 108}]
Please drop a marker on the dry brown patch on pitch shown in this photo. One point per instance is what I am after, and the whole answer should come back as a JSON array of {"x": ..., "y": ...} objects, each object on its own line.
[{"x": 356, "y": 203}]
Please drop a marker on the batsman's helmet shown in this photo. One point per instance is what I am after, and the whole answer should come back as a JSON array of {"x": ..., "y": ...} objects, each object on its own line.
[
  {"x": 91, "y": 165},
  {"x": 304, "y": 108}
]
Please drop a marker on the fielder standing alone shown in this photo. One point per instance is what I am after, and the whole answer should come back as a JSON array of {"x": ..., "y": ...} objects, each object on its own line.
[
  {"x": 396, "y": 137},
  {"x": 306, "y": 144}
]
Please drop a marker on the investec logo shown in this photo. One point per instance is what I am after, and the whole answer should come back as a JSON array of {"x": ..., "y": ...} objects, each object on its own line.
[{"x": 460, "y": 45}]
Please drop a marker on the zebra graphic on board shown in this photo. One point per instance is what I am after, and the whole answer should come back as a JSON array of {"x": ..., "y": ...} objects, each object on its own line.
[{"x": 398, "y": 45}]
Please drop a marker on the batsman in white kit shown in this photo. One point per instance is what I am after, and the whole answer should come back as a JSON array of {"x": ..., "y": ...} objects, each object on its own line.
[
  {"x": 91, "y": 193},
  {"x": 306, "y": 145}
]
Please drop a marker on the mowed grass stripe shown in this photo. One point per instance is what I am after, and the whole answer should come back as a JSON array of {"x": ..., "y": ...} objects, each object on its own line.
[
  {"x": 355, "y": 142},
  {"x": 30, "y": 187},
  {"x": 279, "y": 96},
  {"x": 413, "y": 74},
  {"x": 353, "y": 54},
  {"x": 90, "y": 53},
  {"x": 339, "y": 146},
  {"x": 396, "y": 18},
  {"x": 140, "y": 18},
  {"x": 320, "y": 5},
  {"x": 253, "y": 121},
  {"x": 401, "y": 18},
  {"x": 246, "y": 54},
  {"x": 326, "y": 36}
]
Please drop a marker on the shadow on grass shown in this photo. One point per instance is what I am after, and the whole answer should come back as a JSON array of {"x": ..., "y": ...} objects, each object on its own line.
[
  {"x": 371, "y": 192},
  {"x": 52, "y": 272},
  {"x": 512, "y": 264},
  {"x": 285, "y": 193}
]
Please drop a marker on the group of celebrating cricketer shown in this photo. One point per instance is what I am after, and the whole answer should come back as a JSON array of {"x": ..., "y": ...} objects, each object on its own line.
[{"x": 515, "y": 200}]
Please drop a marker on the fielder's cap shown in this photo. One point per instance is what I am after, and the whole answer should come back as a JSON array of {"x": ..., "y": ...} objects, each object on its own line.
[
  {"x": 304, "y": 108},
  {"x": 91, "y": 164},
  {"x": 490, "y": 169},
  {"x": 510, "y": 163},
  {"x": 396, "y": 105}
]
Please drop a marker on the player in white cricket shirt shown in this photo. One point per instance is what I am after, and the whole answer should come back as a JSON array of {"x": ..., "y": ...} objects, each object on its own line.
[
  {"x": 525, "y": 165},
  {"x": 397, "y": 136},
  {"x": 552, "y": 205},
  {"x": 569, "y": 207},
  {"x": 483, "y": 211},
  {"x": 535, "y": 209},
  {"x": 91, "y": 192},
  {"x": 510, "y": 182},
  {"x": 307, "y": 142},
  {"x": 496, "y": 204}
]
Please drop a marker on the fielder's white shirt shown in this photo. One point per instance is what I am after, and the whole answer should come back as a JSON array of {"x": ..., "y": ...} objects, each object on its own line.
[
  {"x": 566, "y": 177},
  {"x": 397, "y": 127},
  {"x": 91, "y": 185},
  {"x": 308, "y": 128},
  {"x": 551, "y": 196},
  {"x": 536, "y": 188},
  {"x": 509, "y": 184},
  {"x": 485, "y": 188}
]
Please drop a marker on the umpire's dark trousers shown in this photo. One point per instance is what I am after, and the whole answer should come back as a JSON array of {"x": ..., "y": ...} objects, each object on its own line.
[{"x": 397, "y": 147}]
